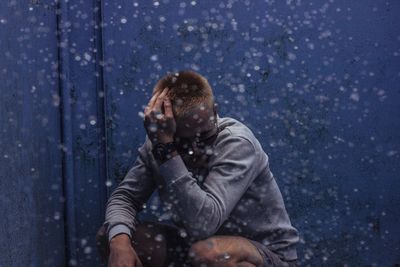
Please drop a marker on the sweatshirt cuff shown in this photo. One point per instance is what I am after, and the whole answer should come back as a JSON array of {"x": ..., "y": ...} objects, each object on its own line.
[
  {"x": 118, "y": 229},
  {"x": 173, "y": 169}
]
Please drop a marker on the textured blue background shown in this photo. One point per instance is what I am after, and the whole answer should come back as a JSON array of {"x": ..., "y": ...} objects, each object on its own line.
[{"x": 316, "y": 81}]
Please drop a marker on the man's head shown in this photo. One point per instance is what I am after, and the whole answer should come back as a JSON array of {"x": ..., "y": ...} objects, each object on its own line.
[{"x": 193, "y": 107}]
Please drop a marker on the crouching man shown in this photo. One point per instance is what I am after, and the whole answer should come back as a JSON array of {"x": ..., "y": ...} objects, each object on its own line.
[{"x": 213, "y": 177}]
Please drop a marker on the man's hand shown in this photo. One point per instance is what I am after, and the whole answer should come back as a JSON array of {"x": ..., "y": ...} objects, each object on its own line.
[
  {"x": 122, "y": 253},
  {"x": 160, "y": 126}
]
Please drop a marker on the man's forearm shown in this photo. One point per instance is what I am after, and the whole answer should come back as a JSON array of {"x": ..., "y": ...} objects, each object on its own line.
[{"x": 204, "y": 209}]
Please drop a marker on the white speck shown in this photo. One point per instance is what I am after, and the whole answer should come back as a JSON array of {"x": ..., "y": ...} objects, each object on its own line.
[
  {"x": 109, "y": 183},
  {"x": 77, "y": 58},
  {"x": 158, "y": 238},
  {"x": 87, "y": 250},
  {"x": 182, "y": 233},
  {"x": 156, "y": 3},
  {"x": 124, "y": 20},
  {"x": 355, "y": 97},
  {"x": 154, "y": 58},
  {"x": 92, "y": 121},
  {"x": 226, "y": 256},
  {"x": 57, "y": 215},
  {"x": 87, "y": 56},
  {"x": 241, "y": 88},
  {"x": 153, "y": 128},
  {"x": 291, "y": 56},
  {"x": 3, "y": 21},
  {"x": 82, "y": 126},
  {"x": 83, "y": 242},
  {"x": 188, "y": 47}
]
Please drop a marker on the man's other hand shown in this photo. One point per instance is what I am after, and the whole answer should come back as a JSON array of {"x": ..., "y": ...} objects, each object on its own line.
[
  {"x": 122, "y": 253},
  {"x": 160, "y": 126}
]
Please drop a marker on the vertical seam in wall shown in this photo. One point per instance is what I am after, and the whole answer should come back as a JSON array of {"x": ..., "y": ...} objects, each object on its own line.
[
  {"x": 68, "y": 182},
  {"x": 102, "y": 104}
]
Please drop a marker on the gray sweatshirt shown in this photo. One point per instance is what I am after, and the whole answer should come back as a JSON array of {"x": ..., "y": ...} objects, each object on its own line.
[{"x": 235, "y": 194}]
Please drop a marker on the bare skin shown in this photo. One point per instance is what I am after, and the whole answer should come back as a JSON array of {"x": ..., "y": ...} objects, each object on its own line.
[
  {"x": 227, "y": 251},
  {"x": 122, "y": 253},
  {"x": 215, "y": 251}
]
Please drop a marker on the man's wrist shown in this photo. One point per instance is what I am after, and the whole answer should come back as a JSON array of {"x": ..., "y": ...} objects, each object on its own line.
[
  {"x": 121, "y": 238},
  {"x": 168, "y": 157},
  {"x": 164, "y": 151},
  {"x": 118, "y": 229}
]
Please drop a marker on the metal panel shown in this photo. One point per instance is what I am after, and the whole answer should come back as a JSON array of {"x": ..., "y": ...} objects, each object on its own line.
[
  {"x": 82, "y": 95},
  {"x": 31, "y": 203},
  {"x": 53, "y": 146},
  {"x": 316, "y": 81}
]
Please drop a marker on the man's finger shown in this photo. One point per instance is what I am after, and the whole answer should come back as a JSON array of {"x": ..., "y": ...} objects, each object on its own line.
[
  {"x": 168, "y": 108},
  {"x": 153, "y": 100},
  {"x": 160, "y": 100}
]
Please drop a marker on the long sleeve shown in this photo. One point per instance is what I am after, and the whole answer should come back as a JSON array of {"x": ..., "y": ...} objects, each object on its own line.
[
  {"x": 203, "y": 208},
  {"x": 127, "y": 199}
]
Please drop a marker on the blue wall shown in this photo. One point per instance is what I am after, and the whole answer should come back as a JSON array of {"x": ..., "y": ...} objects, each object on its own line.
[{"x": 317, "y": 82}]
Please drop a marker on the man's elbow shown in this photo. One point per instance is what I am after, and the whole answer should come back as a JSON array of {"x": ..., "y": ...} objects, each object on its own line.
[{"x": 203, "y": 228}]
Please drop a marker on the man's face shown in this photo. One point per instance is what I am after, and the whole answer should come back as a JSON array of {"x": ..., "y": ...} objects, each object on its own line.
[{"x": 195, "y": 134}]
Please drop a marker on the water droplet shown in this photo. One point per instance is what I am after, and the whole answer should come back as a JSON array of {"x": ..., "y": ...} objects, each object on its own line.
[
  {"x": 87, "y": 56},
  {"x": 57, "y": 216},
  {"x": 226, "y": 256},
  {"x": 153, "y": 128},
  {"x": 182, "y": 233},
  {"x": 159, "y": 238},
  {"x": 154, "y": 58},
  {"x": 124, "y": 20}
]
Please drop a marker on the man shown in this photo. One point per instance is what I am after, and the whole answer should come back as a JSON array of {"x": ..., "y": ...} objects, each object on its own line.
[{"x": 212, "y": 175}]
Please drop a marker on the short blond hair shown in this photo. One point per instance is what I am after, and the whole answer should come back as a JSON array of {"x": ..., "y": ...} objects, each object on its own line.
[{"x": 187, "y": 89}]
